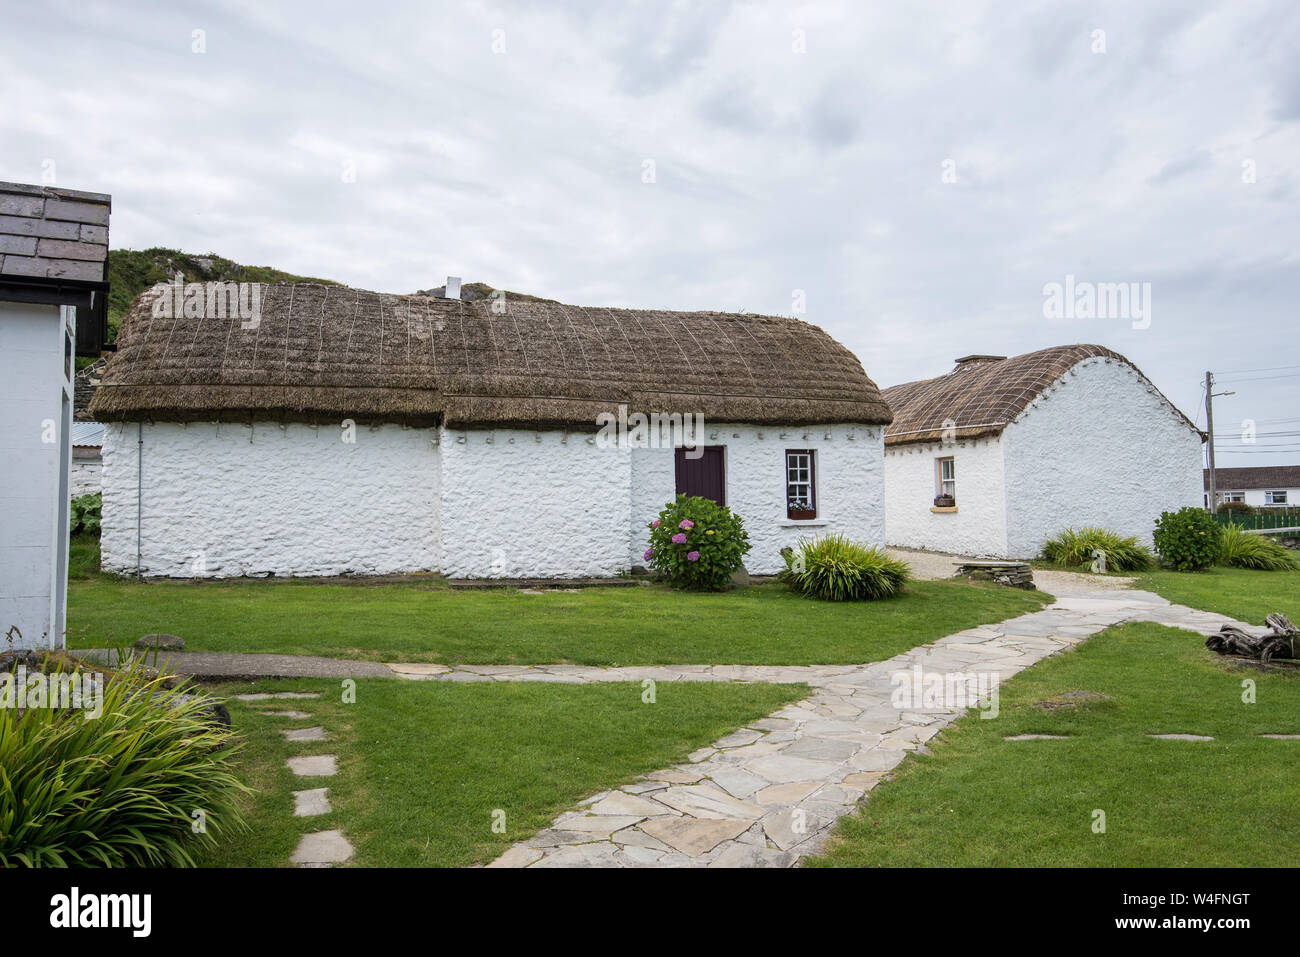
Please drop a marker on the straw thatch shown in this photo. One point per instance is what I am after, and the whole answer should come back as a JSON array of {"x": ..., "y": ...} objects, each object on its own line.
[
  {"x": 328, "y": 352},
  {"x": 984, "y": 394}
]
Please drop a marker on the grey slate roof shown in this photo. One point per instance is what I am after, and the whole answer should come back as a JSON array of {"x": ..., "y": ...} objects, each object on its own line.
[
  {"x": 50, "y": 233},
  {"x": 1253, "y": 477}
]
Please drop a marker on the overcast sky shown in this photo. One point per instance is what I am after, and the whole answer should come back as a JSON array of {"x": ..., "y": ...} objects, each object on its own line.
[{"x": 920, "y": 172}]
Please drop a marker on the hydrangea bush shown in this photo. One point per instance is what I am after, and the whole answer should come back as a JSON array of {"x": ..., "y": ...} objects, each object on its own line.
[
  {"x": 696, "y": 543},
  {"x": 1188, "y": 539}
]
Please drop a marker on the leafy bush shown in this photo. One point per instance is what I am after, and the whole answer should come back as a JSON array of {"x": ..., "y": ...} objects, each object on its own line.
[
  {"x": 832, "y": 568},
  {"x": 119, "y": 789},
  {"x": 1079, "y": 547},
  {"x": 697, "y": 543},
  {"x": 85, "y": 514},
  {"x": 1188, "y": 539},
  {"x": 1238, "y": 547},
  {"x": 1238, "y": 508}
]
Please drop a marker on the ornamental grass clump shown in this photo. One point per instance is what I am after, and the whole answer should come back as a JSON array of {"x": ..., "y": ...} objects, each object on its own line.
[
  {"x": 1188, "y": 539},
  {"x": 146, "y": 783},
  {"x": 832, "y": 568},
  {"x": 1093, "y": 546},
  {"x": 1244, "y": 550},
  {"x": 696, "y": 543}
]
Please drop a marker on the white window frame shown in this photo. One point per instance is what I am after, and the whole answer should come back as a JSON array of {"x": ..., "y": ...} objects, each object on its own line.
[
  {"x": 1269, "y": 498},
  {"x": 945, "y": 486},
  {"x": 801, "y": 473},
  {"x": 1232, "y": 497}
]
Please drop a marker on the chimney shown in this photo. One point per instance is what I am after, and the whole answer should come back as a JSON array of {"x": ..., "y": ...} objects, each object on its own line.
[
  {"x": 453, "y": 288},
  {"x": 977, "y": 358}
]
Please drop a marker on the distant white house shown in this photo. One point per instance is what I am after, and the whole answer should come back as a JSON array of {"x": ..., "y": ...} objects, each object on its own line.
[
  {"x": 1028, "y": 445},
  {"x": 53, "y": 288},
  {"x": 349, "y": 432},
  {"x": 1266, "y": 486},
  {"x": 87, "y": 434}
]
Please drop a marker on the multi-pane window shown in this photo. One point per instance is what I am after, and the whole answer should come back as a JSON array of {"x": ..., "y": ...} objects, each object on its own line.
[
  {"x": 946, "y": 477},
  {"x": 1275, "y": 498},
  {"x": 800, "y": 483},
  {"x": 1232, "y": 497}
]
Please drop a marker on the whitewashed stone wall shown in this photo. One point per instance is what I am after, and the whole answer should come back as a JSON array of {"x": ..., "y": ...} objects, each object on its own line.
[
  {"x": 84, "y": 477},
  {"x": 978, "y": 527},
  {"x": 224, "y": 500},
  {"x": 1101, "y": 447},
  {"x": 850, "y": 486},
  {"x": 524, "y": 504}
]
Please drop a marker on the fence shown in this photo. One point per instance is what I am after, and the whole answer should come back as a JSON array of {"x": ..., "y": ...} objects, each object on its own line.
[{"x": 1263, "y": 520}]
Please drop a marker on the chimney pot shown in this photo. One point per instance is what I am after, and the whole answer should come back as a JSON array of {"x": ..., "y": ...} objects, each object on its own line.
[{"x": 453, "y": 287}]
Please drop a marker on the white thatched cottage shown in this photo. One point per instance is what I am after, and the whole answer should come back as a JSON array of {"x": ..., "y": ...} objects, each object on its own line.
[
  {"x": 339, "y": 431},
  {"x": 1028, "y": 445}
]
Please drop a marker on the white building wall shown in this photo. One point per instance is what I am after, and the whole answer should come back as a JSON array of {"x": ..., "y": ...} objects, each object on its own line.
[
  {"x": 525, "y": 504},
  {"x": 35, "y": 409},
  {"x": 978, "y": 527},
  {"x": 229, "y": 499},
  {"x": 1256, "y": 496},
  {"x": 84, "y": 477},
  {"x": 850, "y": 486},
  {"x": 1100, "y": 447}
]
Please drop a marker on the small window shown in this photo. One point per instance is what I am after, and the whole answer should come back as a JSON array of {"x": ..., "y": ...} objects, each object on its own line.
[
  {"x": 1233, "y": 497},
  {"x": 1275, "y": 498},
  {"x": 800, "y": 484},
  {"x": 945, "y": 474}
]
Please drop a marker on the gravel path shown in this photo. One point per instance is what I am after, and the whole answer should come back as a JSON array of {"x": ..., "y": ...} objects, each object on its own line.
[{"x": 927, "y": 565}]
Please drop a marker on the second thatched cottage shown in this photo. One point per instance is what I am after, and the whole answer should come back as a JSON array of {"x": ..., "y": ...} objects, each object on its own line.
[
  {"x": 1002, "y": 453},
  {"x": 327, "y": 431}
]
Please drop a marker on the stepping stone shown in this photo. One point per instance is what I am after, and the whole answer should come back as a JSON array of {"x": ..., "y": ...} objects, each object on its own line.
[
  {"x": 715, "y": 805},
  {"x": 738, "y": 739},
  {"x": 737, "y": 782},
  {"x": 517, "y": 856},
  {"x": 1180, "y": 737},
  {"x": 877, "y": 759},
  {"x": 692, "y": 836},
  {"x": 314, "y": 766},
  {"x": 620, "y": 802},
  {"x": 286, "y": 714},
  {"x": 780, "y": 827},
  {"x": 749, "y": 855},
  {"x": 416, "y": 669},
  {"x": 822, "y": 749},
  {"x": 311, "y": 803},
  {"x": 1281, "y": 737},
  {"x": 787, "y": 793},
  {"x": 597, "y": 827},
  {"x": 304, "y": 734},
  {"x": 783, "y": 768},
  {"x": 321, "y": 849},
  {"x": 1035, "y": 737},
  {"x": 582, "y": 855},
  {"x": 279, "y": 694}
]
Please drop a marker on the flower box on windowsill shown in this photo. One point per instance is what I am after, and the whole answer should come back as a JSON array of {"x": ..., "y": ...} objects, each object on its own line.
[
  {"x": 801, "y": 514},
  {"x": 944, "y": 501}
]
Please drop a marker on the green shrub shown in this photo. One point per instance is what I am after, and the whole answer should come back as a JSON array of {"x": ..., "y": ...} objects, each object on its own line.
[
  {"x": 85, "y": 514},
  {"x": 1080, "y": 547},
  {"x": 696, "y": 543},
  {"x": 1239, "y": 508},
  {"x": 832, "y": 568},
  {"x": 120, "y": 789},
  {"x": 1188, "y": 539},
  {"x": 1239, "y": 547}
]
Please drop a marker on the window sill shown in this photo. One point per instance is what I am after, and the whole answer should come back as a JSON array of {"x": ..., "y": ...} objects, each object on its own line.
[
  {"x": 943, "y": 508},
  {"x": 799, "y": 522}
]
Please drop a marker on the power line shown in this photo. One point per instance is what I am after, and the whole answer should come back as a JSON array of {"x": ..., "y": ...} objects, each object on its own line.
[{"x": 1269, "y": 369}]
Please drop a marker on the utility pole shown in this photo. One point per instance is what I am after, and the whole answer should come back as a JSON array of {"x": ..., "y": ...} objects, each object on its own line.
[{"x": 1209, "y": 427}]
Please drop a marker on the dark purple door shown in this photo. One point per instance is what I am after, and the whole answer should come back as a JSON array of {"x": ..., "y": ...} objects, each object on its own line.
[{"x": 703, "y": 476}]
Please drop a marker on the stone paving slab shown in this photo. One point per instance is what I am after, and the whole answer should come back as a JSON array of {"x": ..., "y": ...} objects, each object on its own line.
[
  {"x": 314, "y": 766},
  {"x": 321, "y": 849},
  {"x": 310, "y": 803},
  {"x": 768, "y": 794}
]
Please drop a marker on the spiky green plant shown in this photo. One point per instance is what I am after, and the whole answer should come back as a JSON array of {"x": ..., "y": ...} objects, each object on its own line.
[
  {"x": 832, "y": 568},
  {"x": 146, "y": 783},
  {"x": 1076, "y": 547},
  {"x": 1239, "y": 547}
]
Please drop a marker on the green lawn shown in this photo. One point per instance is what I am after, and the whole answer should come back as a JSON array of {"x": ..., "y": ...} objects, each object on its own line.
[
  {"x": 598, "y": 626},
  {"x": 979, "y": 800},
  {"x": 423, "y": 765},
  {"x": 1241, "y": 593}
]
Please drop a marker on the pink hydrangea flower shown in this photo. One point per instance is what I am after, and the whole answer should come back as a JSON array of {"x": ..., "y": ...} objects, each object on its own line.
[
  {"x": 655, "y": 523},
  {"x": 692, "y": 556},
  {"x": 679, "y": 539},
  {"x": 686, "y": 523},
  {"x": 649, "y": 552}
]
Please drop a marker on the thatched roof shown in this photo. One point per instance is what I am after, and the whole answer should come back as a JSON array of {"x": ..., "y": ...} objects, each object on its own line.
[
  {"x": 984, "y": 394},
  {"x": 328, "y": 352}
]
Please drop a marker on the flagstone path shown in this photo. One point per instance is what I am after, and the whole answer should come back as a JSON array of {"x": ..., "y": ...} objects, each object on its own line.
[{"x": 768, "y": 795}]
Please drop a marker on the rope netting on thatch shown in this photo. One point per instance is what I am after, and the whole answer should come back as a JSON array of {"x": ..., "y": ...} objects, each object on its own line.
[
  {"x": 327, "y": 351},
  {"x": 983, "y": 395}
]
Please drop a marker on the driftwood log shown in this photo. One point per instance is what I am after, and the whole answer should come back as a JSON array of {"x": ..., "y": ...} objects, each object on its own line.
[{"x": 1281, "y": 640}]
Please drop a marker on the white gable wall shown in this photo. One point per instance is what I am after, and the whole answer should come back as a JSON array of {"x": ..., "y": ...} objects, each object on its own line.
[
  {"x": 229, "y": 499},
  {"x": 978, "y": 527},
  {"x": 1100, "y": 447}
]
